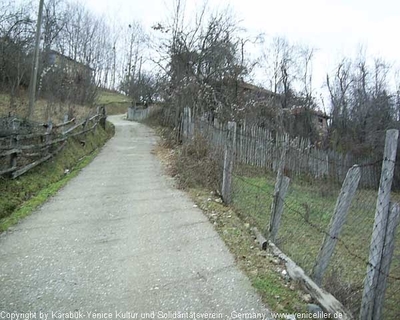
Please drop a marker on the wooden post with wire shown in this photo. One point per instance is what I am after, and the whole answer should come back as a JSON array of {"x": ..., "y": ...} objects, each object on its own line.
[{"x": 228, "y": 163}]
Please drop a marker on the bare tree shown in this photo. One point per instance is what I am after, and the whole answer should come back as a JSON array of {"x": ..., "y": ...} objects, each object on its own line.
[
  {"x": 362, "y": 105},
  {"x": 16, "y": 41},
  {"x": 339, "y": 90},
  {"x": 206, "y": 62}
]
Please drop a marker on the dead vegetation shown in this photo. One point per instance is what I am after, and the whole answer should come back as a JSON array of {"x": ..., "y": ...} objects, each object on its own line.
[
  {"x": 44, "y": 110},
  {"x": 196, "y": 170}
]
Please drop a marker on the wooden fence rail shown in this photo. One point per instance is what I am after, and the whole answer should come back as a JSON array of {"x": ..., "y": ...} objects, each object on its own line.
[
  {"x": 20, "y": 153},
  {"x": 276, "y": 152},
  {"x": 261, "y": 147}
]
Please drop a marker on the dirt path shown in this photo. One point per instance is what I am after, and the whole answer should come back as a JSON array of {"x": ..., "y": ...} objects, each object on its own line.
[{"x": 120, "y": 239}]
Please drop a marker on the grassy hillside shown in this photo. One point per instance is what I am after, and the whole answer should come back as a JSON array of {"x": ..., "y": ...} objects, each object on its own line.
[
  {"x": 108, "y": 97},
  {"x": 307, "y": 213},
  {"x": 114, "y": 102},
  {"x": 44, "y": 109}
]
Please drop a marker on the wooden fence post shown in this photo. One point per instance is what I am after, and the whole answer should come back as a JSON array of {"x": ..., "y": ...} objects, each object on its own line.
[
  {"x": 281, "y": 187},
  {"x": 14, "y": 144},
  {"x": 64, "y": 128},
  {"x": 103, "y": 117},
  {"x": 228, "y": 163},
  {"x": 186, "y": 123},
  {"x": 130, "y": 113},
  {"x": 370, "y": 294},
  {"x": 394, "y": 219},
  {"x": 189, "y": 122},
  {"x": 342, "y": 207},
  {"x": 49, "y": 131}
]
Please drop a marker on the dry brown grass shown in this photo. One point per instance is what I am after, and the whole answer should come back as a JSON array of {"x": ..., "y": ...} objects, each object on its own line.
[
  {"x": 44, "y": 109},
  {"x": 197, "y": 165},
  {"x": 263, "y": 270}
]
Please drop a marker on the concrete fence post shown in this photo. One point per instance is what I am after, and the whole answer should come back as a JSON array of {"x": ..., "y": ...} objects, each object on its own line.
[
  {"x": 228, "y": 163},
  {"x": 371, "y": 296}
]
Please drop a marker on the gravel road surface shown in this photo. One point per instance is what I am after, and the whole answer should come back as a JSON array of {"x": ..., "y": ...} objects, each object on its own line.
[{"x": 119, "y": 241}]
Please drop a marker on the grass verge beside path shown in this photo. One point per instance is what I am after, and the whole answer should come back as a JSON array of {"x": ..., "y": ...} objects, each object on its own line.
[
  {"x": 265, "y": 272},
  {"x": 21, "y": 196}
]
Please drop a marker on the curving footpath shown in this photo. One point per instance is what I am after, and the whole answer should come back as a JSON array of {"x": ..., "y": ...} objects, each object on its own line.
[{"x": 120, "y": 242}]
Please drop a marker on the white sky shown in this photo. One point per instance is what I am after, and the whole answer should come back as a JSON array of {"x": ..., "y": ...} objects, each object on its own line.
[{"x": 336, "y": 28}]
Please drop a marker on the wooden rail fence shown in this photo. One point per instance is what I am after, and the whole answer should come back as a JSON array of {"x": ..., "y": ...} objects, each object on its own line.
[
  {"x": 20, "y": 153},
  {"x": 260, "y": 147}
]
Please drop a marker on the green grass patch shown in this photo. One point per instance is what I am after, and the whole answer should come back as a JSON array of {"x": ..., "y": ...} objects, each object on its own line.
[
  {"x": 263, "y": 270},
  {"x": 108, "y": 97},
  {"x": 309, "y": 205},
  {"x": 28, "y": 206},
  {"x": 22, "y": 195},
  {"x": 114, "y": 102},
  {"x": 307, "y": 212},
  {"x": 260, "y": 267}
]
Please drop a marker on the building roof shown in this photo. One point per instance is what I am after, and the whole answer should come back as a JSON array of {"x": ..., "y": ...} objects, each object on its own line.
[
  {"x": 318, "y": 113},
  {"x": 69, "y": 59},
  {"x": 251, "y": 87}
]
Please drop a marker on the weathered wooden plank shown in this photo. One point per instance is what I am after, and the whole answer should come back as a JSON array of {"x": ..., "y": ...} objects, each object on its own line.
[
  {"x": 9, "y": 170},
  {"x": 21, "y": 171},
  {"x": 14, "y": 156},
  {"x": 278, "y": 208},
  {"x": 380, "y": 226},
  {"x": 49, "y": 131},
  {"x": 276, "y": 202},
  {"x": 387, "y": 255},
  {"x": 41, "y": 145},
  {"x": 228, "y": 164},
  {"x": 36, "y": 154},
  {"x": 260, "y": 239},
  {"x": 338, "y": 219},
  {"x": 186, "y": 123},
  {"x": 75, "y": 127},
  {"x": 9, "y": 152},
  {"x": 327, "y": 301},
  {"x": 83, "y": 131},
  {"x": 64, "y": 123},
  {"x": 32, "y": 135}
]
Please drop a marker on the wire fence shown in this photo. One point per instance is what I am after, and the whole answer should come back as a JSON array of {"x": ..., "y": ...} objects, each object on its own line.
[{"x": 336, "y": 221}]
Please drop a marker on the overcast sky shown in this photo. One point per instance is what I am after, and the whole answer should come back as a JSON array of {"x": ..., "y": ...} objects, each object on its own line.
[{"x": 336, "y": 28}]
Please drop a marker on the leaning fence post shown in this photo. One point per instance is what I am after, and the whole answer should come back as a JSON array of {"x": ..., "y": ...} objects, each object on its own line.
[
  {"x": 342, "y": 207},
  {"x": 64, "y": 127},
  {"x": 281, "y": 187},
  {"x": 228, "y": 163},
  {"x": 370, "y": 293},
  {"x": 393, "y": 222}
]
